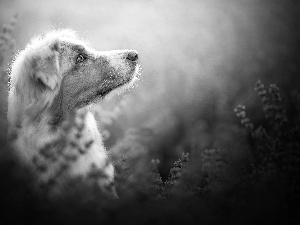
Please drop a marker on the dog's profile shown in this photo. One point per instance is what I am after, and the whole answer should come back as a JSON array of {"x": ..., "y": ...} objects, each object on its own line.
[{"x": 55, "y": 75}]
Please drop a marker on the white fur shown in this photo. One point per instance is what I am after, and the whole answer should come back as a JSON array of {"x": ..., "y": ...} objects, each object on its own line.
[{"x": 29, "y": 106}]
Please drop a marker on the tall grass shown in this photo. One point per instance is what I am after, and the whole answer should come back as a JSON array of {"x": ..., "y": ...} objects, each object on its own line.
[{"x": 7, "y": 45}]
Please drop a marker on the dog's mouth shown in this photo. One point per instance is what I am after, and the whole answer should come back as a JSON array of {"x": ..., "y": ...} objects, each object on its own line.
[
  {"x": 110, "y": 87},
  {"x": 124, "y": 83},
  {"x": 103, "y": 93}
]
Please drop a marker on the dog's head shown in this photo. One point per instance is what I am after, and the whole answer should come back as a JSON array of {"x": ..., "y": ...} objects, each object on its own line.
[{"x": 60, "y": 72}]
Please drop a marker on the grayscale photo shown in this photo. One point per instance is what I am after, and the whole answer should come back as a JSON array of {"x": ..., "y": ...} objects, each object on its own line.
[{"x": 150, "y": 112}]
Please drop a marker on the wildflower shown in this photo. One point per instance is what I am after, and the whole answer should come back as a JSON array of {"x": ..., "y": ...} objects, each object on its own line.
[
  {"x": 7, "y": 43},
  {"x": 241, "y": 113}
]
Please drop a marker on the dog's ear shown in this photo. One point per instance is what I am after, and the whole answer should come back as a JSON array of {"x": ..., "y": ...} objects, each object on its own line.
[{"x": 46, "y": 71}]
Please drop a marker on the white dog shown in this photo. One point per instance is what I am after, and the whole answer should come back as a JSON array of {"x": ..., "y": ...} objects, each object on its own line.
[{"x": 55, "y": 75}]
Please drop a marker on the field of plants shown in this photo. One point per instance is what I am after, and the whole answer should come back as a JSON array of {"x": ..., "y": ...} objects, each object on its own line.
[{"x": 209, "y": 135}]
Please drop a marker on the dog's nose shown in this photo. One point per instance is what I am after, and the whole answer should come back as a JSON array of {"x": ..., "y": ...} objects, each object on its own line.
[{"x": 132, "y": 56}]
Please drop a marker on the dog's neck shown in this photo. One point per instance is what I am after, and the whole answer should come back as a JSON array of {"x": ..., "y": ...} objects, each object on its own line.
[
  {"x": 60, "y": 107},
  {"x": 57, "y": 112}
]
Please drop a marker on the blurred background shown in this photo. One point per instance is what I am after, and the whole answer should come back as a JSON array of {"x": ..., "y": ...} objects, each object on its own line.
[{"x": 199, "y": 58}]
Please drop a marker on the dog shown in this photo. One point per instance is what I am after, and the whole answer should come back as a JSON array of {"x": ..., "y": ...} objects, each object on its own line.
[{"x": 54, "y": 76}]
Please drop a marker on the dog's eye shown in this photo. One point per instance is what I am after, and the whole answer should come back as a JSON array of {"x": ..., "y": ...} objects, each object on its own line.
[{"x": 80, "y": 58}]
